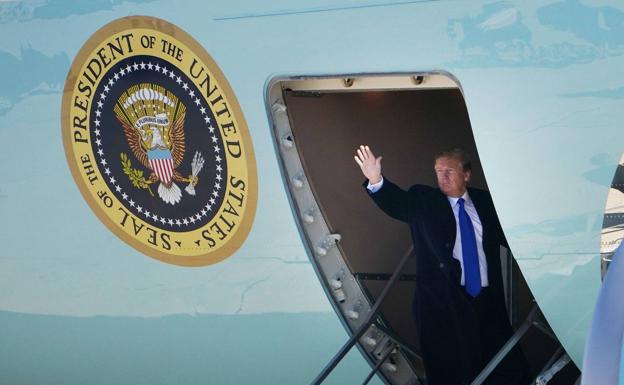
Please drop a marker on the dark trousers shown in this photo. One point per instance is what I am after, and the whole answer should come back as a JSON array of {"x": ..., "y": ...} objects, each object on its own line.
[{"x": 493, "y": 332}]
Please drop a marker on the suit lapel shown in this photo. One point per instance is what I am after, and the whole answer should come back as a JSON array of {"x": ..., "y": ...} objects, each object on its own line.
[
  {"x": 448, "y": 227},
  {"x": 447, "y": 219}
]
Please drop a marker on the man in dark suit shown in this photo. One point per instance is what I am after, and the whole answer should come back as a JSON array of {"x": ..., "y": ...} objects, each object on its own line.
[{"x": 458, "y": 306}]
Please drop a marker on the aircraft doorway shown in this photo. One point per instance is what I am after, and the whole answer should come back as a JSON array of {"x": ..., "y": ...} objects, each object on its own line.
[{"x": 408, "y": 119}]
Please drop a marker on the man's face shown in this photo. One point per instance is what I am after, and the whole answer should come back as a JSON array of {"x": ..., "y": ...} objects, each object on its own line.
[{"x": 452, "y": 179}]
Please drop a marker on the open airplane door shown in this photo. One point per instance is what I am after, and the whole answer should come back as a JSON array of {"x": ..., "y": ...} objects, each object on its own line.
[{"x": 318, "y": 123}]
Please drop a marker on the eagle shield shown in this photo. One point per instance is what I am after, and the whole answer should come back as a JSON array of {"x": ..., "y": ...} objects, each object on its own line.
[{"x": 153, "y": 122}]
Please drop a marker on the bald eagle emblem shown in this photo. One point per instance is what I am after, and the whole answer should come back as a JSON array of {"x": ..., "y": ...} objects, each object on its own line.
[{"x": 153, "y": 123}]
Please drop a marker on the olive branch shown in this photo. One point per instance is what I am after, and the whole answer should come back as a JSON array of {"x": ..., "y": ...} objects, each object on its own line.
[{"x": 135, "y": 176}]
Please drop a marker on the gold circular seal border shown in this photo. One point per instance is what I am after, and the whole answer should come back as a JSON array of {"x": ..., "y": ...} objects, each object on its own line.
[{"x": 164, "y": 27}]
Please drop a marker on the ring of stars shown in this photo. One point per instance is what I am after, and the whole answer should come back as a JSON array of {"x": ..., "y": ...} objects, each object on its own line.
[{"x": 217, "y": 187}]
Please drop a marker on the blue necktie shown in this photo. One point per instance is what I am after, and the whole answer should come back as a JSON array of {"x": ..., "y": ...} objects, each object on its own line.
[{"x": 469, "y": 252}]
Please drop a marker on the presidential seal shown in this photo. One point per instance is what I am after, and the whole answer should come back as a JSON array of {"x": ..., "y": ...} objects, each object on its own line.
[{"x": 157, "y": 143}]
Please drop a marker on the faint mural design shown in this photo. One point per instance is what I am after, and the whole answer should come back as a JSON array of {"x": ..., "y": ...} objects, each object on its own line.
[
  {"x": 566, "y": 226},
  {"x": 611, "y": 93},
  {"x": 599, "y": 26},
  {"x": 601, "y": 171},
  {"x": 496, "y": 36},
  {"x": 32, "y": 73},
  {"x": 499, "y": 36},
  {"x": 21, "y": 11}
]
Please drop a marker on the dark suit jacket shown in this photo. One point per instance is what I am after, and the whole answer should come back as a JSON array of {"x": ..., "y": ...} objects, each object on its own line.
[{"x": 450, "y": 328}]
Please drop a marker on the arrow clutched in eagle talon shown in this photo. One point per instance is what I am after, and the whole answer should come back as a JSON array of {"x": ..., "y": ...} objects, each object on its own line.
[{"x": 196, "y": 165}]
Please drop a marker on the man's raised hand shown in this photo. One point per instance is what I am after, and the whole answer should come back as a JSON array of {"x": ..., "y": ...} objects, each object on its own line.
[{"x": 370, "y": 166}]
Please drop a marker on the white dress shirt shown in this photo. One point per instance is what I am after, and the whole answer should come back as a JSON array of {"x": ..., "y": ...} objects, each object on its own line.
[{"x": 457, "y": 249}]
